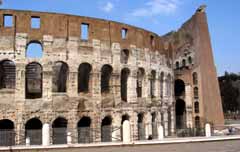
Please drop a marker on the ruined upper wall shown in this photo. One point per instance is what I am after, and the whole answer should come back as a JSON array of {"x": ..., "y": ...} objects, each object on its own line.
[{"x": 65, "y": 26}]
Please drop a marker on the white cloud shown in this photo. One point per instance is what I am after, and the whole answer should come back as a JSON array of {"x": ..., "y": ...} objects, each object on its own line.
[
  {"x": 156, "y": 7},
  {"x": 107, "y": 7}
]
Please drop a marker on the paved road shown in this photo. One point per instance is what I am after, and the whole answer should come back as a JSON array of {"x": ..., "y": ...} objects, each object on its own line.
[{"x": 220, "y": 146}]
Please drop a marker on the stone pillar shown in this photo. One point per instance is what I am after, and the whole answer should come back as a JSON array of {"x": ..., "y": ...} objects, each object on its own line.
[
  {"x": 72, "y": 86},
  {"x": 47, "y": 84},
  {"x": 116, "y": 87},
  {"x": 117, "y": 133},
  {"x": 131, "y": 87},
  {"x": 188, "y": 100},
  {"x": 46, "y": 135},
  {"x": 173, "y": 119},
  {"x": 165, "y": 87},
  {"x": 165, "y": 119},
  {"x": 126, "y": 132},
  {"x": 69, "y": 138},
  {"x": 208, "y": 130},
  {"x": 160, "y": 132}
]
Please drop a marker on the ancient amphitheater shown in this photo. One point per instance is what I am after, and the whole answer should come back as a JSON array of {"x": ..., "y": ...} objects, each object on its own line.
[{"x": 91, "y": 75}]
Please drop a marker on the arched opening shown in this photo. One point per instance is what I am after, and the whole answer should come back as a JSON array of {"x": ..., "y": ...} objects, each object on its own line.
[
  {"x": 177, "y": 65},
  {"x": 84, "y": 130},
  {"x": 154, "y": 125},
  {"x": 195, "y": 78},
  {"x": 106, "y": 129},
  {"x": 161, "y": 84},
  {"x": 7, "y": 74},
  {"x": 190, "y": 60},
  {"x": 34, "y": 50},
  {"x": 33, "y": 80},
  {"x": 84, "y": 77},
  {"x": 106, "y": 73},
  {"x": 179, "y": 87},
  {"x": 124, "y": 118},
  {"x": 124, "y": 82},
  {"x": 140, "y": 81},
  {"x": 152, "y": 83},
  {"x": 60, "y": 76},
  {"x": 183, "y": 63},
  {"x": 59, "y": 128},
  {"x": 141, "y": 127},
  {"x": 195, "y": 92},
  {"x": 196, "y": 107},
  {"x": 197, "y": 122},
  {"x": 180, "y": 114},
  {"x": 7, "y": 134},
  {"x": 124, "y": 56},
  {"x": 33, "y": 131}
]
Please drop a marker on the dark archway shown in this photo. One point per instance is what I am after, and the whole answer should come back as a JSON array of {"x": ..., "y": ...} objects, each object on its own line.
[
  {"x": 59, "y": 128},
  {"x": 84, "y": 71},
  {"x": 152, "y": 83},
  {"x": 124, "y": 82},
  {"x": 161, "y": 84},
  {"x": 154, "y": 126},
  {"x": 60, "y": 76},
  {"x": 106, "y": 129},
  {"x": 141, "y": 127},
  {"x": 140, "y": 81},
  {"x": 33, "y": 80},
  {"x": 106, "y": 73},
  {"x": 7, "y": 134},
  {"x": 7, "y": 74},
  {"x": 180, "y": 114},
  {"x": 84, "y": 130},
  {"x": 124, "y": 56},
  {"x": 195, "y": 78},
  {"x": 33, "y": 131},
  {"x": 179, "y": 87}
]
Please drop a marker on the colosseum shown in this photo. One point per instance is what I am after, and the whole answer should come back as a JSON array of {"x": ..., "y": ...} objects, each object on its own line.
[{"x": 86, "y": 76}]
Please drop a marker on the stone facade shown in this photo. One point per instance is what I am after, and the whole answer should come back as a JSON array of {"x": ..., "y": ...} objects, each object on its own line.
[{"x": 127, "y": 97}]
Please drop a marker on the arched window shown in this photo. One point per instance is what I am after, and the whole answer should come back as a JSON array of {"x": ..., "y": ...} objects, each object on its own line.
[
  {"x": 60, "y": 76},
  {"x": 196, "y": 107},
  {"x": 33, "y": 81},
  {"x": 7, "y": 74},
  {"x": 84, "y": 77},
  {"x": 179, "y": 87},
  {"x": 195, "y": 92},
  {"x": 34, "y": 50},
  {"x": 106, "y": 129},
  {"x": 124, "y": 56},
  {"x": 59, "y": 127},
  {"x": 195, "y": 78},
  {"x": 152, "y": 83},
  {"x": 183, "y": 63},
  {"x": 177, "y": 65},
  {"x": 140, "y": 80},
  {"x": 124, "y": 83},
  {"x": 141, "y": 127},
  {"x": 7, "y": 134},
  {"x": 161, "y": 84},
  {"x": 106, "y": 73},
  {"x": 190, "y": 60},
  {"x": 197, "y": 122},
  {"x": 33, "y": 131},
  {"x": 84, "y": 130}
]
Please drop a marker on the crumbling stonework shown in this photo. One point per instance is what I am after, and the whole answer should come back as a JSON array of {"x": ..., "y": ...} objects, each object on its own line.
[{"x": 122, "y": 92}]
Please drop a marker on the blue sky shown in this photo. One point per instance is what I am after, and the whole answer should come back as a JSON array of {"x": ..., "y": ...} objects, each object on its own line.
[{"x": 159, "y": 16}]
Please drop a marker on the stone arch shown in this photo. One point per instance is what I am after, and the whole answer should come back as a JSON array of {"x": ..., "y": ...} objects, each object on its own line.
[
  {"x": 124, "y": 83},
  {"x": 33, "y": 131},
  {"x": 84, "y": 130},
  {"x": 195, "y": 78},
  {"x": 34, "y": 49},
  {"x": 195, "y": 92},
  {"x": 59, "y": 128},
  {"x": 140, "y": 81},
  {"x": 106, "y": 129},
  {"x": 60, "y": 76},
  {"x": 84, "y": 72},
  {"x": 141, "y": 126},
  {"x": 179, "y": 87},
  {"x": 177, "y": 65},
  {"x": 124, "y": 56},
  {"x": 7, "y": 74},
  {"x": 196, "y": 107},
  {"x": 33, "y": 80},
  {"x": 125, "y": 117},
  {"x": 183, "y": 63},
  {"x": 180, "y": 114},
  {"x": 106, "y": 73},
  {"x": 7, "y": 134}
]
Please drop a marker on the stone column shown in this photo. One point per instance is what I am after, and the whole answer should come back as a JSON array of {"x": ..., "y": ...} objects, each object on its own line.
[
  {"x": 126, "y": 132},
  {"x": 46, "y": 135},
  {"x": 148, "y": 126},
  {"x": 173, "y": 118},
  {"x": 47, "y": 85},
  {"x": 117, "y": 123},
  {"x": 20, "y": 82},
  {"x": 131, "y": 87},
  {"x": 72, "y": 86},
  {"x": 165, "y": 118},
  {"x": 160, "y": 132},
  {"x": 188, "y": 100}
]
